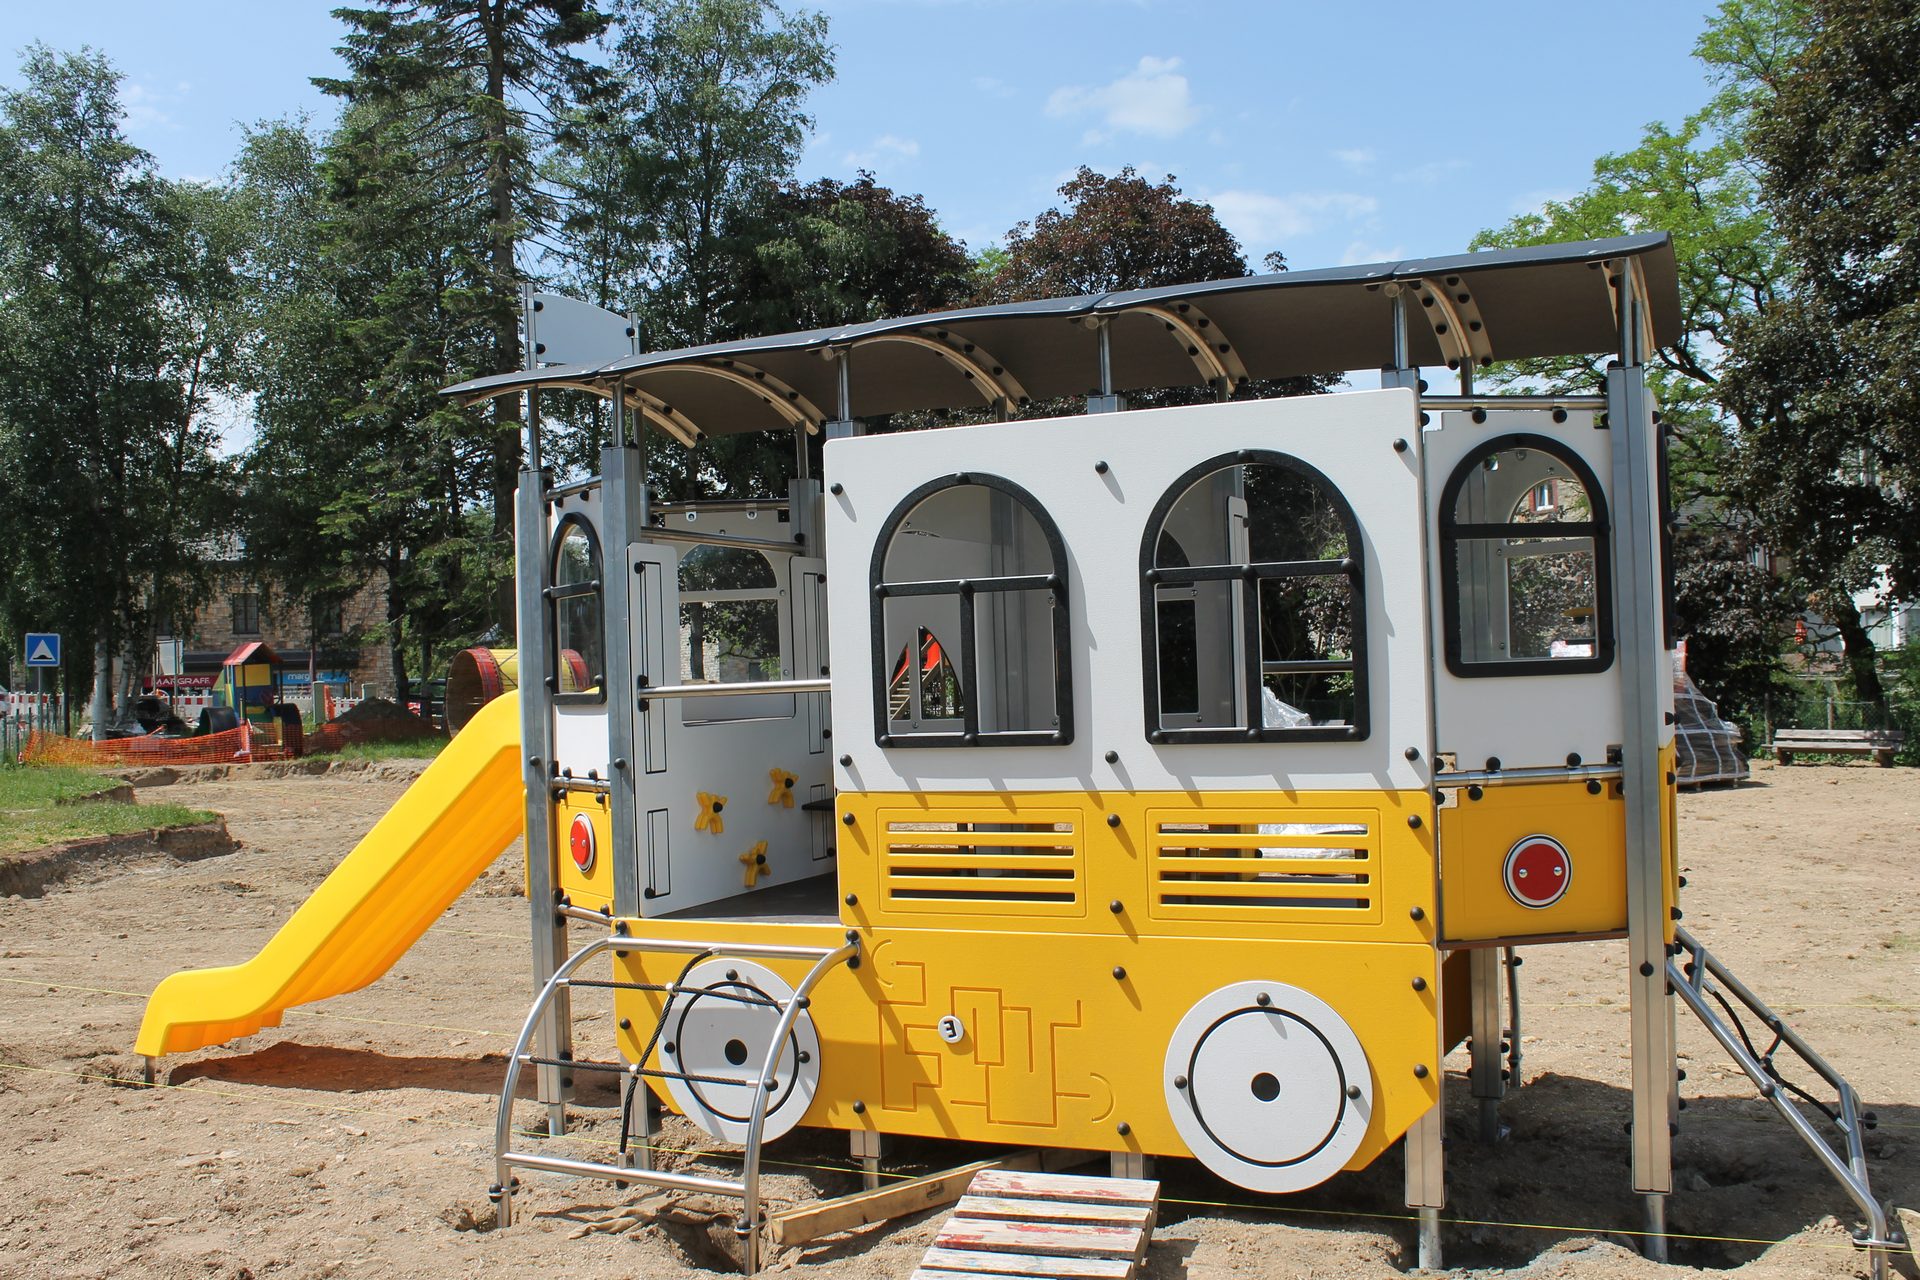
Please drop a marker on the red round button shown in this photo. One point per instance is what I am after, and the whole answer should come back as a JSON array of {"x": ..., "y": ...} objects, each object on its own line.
[
  {"x": 1538, "y": 871},
  {"x": 581, "y": 842}
]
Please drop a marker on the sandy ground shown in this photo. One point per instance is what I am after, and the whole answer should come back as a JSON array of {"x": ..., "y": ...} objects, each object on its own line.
[{"x": 354, "y": 1140}]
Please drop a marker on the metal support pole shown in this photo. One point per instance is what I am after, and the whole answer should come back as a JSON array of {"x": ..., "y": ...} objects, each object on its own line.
[
  {"x": 1427, "y": 1180},
  {"x": 1402, "y": 373},
  {"x": 866, "y": 1149},
  {"x": 536, "y": 736},
  {"x": 620, "y": 480},
  {"x": 1428, "y": 1248},
  {"x": 638, "y": 1153},
  {"x": 1643, "y": 666},
  {"x": 1484, "y": 982},
  {"x": 846, "y": 424},
  {"x": 1137, "y": 1165},
  {"x": 1512, "y": 962},
  {"x": 1105, "y": 401}
]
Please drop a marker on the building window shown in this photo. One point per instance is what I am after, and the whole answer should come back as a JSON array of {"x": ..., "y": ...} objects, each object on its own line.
[
  {"x": 246, "y": 613},
  {"x": 970, "y": 626},
  {"x": 579, "y": 638},
  {"x": 327, "y": 618},
  {"x": 1525, "y": 585},
  {"x": 730, "y": 631},
  {"x": 1253, "y": 606}
]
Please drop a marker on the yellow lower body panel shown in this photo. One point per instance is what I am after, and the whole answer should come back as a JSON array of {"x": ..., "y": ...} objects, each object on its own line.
[
  {"x": 1056, "y": 1049},
  {"x": 1066, "y": 935}
]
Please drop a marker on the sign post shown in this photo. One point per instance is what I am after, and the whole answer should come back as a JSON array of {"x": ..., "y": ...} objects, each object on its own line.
[{"x": 43, "y": 652}]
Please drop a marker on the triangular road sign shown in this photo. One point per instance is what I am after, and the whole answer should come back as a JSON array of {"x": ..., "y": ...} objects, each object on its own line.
[{"x": 43, "y": 649}]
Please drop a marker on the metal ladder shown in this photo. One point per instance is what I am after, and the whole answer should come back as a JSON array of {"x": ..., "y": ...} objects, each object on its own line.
[
  {"x": 747, "y": 1188},
  {"x": 1700, "y": 982}
]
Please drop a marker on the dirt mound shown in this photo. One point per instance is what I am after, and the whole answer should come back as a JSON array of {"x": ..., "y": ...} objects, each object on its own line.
[{"x": 374, "y": 720}]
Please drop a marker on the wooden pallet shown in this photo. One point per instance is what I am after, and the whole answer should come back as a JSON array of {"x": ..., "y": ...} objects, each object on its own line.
[{"x": 1051, "y": 1226}]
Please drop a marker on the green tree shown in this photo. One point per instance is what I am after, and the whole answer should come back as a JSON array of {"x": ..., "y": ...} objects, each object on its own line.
[
  {"x": 1698, "y": 182},
  {"x": 1119, "y": 232},
  {"x": 1124, "y": 232},
  {"x": 1829, "y": 374},
  {"x": 113, "y": 337},
  {"x": 367, "y": 303},
  {"x": 834, "y": 253},
  {"x": 712, "y": 111},
  {"x": 478, "y": 92}
]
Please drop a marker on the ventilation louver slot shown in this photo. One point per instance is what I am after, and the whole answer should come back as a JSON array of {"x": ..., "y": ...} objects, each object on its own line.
[
  {"x": 961, "y": 864},
  {"x": 1309, "y": 866}
]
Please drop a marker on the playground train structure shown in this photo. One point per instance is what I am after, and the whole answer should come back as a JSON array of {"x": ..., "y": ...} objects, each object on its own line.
[{"x": 1163, "y": 782}]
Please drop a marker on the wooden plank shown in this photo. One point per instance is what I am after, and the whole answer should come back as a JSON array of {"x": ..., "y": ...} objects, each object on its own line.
[
  {"x": 1049, "y": 1238},
  {"x": 1061, "y": 1186},
  {"x": 1136, "y": 1216},
  {"x": 970, "y": 1263},
  {"x": 843, "y": 1213}
]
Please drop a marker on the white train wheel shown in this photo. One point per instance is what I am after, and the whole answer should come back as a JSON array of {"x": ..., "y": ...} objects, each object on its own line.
[
  {"x": 719, "y": 1031},
  {"x": 1268, "y": 1086}
]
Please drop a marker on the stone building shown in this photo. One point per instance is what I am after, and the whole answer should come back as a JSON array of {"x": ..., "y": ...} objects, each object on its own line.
[{"x": 335, "y": 643}]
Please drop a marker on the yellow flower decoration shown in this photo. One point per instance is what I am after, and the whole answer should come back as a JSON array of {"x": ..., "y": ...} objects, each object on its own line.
[
  {"x": 755, "y": 862},
  {"x": 782, "y": 792},
  {"x": 709, "y": 819}
]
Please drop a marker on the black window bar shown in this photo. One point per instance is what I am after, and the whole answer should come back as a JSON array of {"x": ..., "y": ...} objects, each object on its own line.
[
  {"x": 1594, "y": 529},
  {"x": 1253, "y": 573},
  {"x": 966, "y": 671}
]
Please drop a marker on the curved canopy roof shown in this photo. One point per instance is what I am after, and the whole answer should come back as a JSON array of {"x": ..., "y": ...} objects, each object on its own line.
[{"x": 1545, "y": 300}]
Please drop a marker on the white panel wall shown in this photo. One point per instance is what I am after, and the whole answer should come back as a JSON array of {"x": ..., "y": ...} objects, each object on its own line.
[{"x": 1102, "y": 518}]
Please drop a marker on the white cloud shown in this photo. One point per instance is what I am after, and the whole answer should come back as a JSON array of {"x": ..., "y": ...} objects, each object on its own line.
[
  {"x": 886, "y": 147},
  {"x": 1152, "y": 99},
  {"x": 1431, "y": 172},
  {"x": 1257, "y": 218},
  {"x": 1357, "y": 159},
  {"x": 1366, "y": 251},
  {"x": 146, "y": 108},
  {"x": 992, "y": 87}
]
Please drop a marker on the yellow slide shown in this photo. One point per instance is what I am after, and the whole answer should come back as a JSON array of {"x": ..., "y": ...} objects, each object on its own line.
[{"x": 450, "y": 825}]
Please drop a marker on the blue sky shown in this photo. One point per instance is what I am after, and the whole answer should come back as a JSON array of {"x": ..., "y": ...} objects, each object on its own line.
[{"x": 1334, "y": 132}]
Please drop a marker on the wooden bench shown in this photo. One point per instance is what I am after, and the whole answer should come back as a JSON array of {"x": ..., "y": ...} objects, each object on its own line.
[{"x": 1878, "y": 743}]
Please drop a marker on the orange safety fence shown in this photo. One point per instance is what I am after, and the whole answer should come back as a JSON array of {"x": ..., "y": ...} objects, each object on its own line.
[{"x": 247, "y": 744}]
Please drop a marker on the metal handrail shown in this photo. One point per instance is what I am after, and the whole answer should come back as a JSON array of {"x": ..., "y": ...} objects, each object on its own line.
[
  {"x": 748, "y": 1187},
  {"x": 1689, "y": 982},
  {"x": 1513, "y": 402},
  {"x": 778, "y": 546},
  {"x": 733, "y": 690},
  {"x": 1528, "y": 775}
]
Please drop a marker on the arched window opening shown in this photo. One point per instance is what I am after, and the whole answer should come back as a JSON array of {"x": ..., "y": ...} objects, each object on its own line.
[
  {"x": 1523, "y": 529},
  {"x": 969, "y": 619},
  {"x": 1254, "y": 610},
  {"x": 579, "y": 622},
  {"x": 730, "y": 631}
]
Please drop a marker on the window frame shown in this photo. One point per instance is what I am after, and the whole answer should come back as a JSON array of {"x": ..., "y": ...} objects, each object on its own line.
[
  {"x": 596, "y": 692},
  {"x": 701, "y": 712},
  {"x": 966, "y": 669},
  {"x": 253, "y": 610},
  {"x": 1452, "y": 533},
  {"x": 1352, "y": 566}
]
